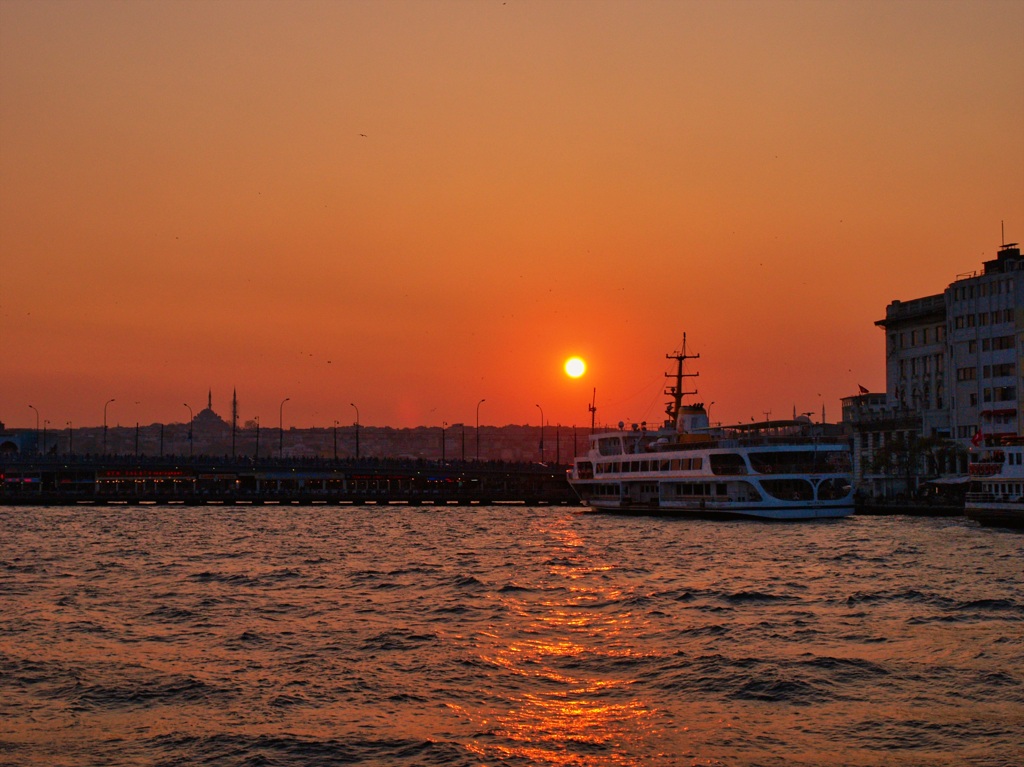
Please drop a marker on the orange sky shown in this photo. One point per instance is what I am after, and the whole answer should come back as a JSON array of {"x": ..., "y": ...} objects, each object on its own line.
[{"x": 187, "y": 201}]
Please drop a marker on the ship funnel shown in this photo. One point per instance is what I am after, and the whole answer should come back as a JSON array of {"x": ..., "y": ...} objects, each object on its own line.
[{"x": 692, "y": 419}]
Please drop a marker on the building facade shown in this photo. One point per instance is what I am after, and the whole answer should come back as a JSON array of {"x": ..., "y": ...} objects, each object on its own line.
[
  {"x": 985, "y": 317},
  {"x": 954, "y": 378}
]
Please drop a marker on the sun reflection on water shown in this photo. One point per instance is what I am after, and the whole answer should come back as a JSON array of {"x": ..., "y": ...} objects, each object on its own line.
[{"x": 571, "y": 633}]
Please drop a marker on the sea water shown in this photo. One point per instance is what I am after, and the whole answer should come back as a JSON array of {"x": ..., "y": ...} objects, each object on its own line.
[{"x": 288, "y": 635}]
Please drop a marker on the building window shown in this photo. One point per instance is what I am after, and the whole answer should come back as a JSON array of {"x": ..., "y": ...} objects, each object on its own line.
[
  {"x": 997, "y": 344},
  {"x": 1004, "y": 393},
  {"x": 966, "y": 374}
]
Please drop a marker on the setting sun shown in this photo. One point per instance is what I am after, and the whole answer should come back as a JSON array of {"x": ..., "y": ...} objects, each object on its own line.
[{"x": 575, "y": 367}]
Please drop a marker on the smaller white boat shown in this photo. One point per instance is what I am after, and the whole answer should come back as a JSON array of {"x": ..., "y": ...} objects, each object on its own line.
[{"x": 996, "y": 494}]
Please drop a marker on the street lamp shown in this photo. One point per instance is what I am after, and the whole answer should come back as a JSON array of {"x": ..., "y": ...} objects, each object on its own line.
[
  {"x": 71, "y": 439},
  {"x": 335, "y": 440},
  {"x": 45, "y": 424},
  {"x": 478, "y": 404},
  {"x": 191, "y": 418},
  {"x": 280, "y": 441},
  {"x": 541, "y": 432},
  {"x": 357, "y": 429},
  {"x": 444, "y": 425},
  {"x": 37, "y": 427},
  {"x": 257, "y": 420},
  {"x": 105, "y": 424}
]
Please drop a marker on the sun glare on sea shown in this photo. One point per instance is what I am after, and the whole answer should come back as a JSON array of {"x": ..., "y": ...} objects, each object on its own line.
[{"x": 575, "y": 367}]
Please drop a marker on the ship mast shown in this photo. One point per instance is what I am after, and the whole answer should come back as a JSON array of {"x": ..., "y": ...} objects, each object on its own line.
[{"x": 675, "y": 391}]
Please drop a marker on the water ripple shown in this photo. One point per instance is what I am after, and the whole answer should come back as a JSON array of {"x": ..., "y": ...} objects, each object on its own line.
[{"x": 500, "y": 636}]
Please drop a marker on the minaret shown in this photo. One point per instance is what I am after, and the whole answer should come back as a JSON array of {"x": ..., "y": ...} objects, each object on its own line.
[
  {"x": 209, "y": 400},
  {"x": 234, "y": 418}
]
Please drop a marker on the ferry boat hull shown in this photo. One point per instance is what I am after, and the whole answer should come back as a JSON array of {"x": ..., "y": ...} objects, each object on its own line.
[
  {"x": 732, "y": 511},
  {"x": 738, "y": 478}
]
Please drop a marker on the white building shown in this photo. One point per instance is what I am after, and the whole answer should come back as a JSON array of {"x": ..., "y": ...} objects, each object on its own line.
[
  {"x": 916, "y": 381},
  {"x": 985, "y": 318}
]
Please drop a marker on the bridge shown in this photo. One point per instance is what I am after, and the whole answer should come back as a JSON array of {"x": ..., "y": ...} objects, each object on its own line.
[{"x": 132, "y": 480}]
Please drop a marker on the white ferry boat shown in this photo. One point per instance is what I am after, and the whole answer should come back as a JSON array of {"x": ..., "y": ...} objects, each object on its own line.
[
  {"x": 996, "y": 493},
  {"x": 770, "y": 470}
]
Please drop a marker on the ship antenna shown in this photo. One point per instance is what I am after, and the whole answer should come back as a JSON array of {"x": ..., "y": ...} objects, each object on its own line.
[
  {"x": 676, "y": 391},
  {"x": 593, "y": 410}
]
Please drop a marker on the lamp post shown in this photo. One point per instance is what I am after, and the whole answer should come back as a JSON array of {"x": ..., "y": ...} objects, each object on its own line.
[
  {"x": 191, "y": 418},
  {"x": 280, "y": 440},
  {"x": 37, "y": 427},
  {"x": 257, "y": 420},
  {"x": 444, "y": 425},
  {"x": 541, "y": 432},
  {"x": 353, "y": 404},
  {"x": 478, "y": 404},
  {"x": 71, "y": 439},
  {"x": 335, "y": 440},
  {"x": 45, "y": 424},
  {"x": 105, "y": 424}
]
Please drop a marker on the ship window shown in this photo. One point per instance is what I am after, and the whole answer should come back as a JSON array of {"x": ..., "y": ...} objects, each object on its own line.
[
  {"x": 789, "y": 489},
  {"x": 727, "y": 463}
]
